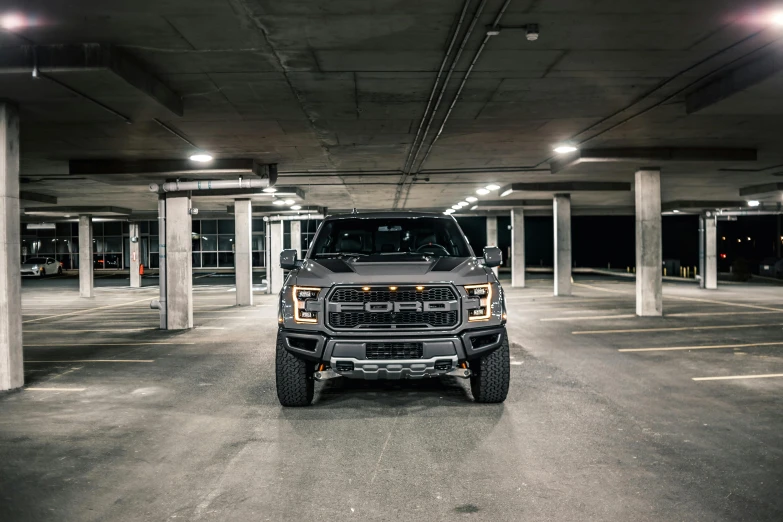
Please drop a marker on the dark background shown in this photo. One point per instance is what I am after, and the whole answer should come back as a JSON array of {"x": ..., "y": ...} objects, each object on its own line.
[{"x": 602, "y": 241}]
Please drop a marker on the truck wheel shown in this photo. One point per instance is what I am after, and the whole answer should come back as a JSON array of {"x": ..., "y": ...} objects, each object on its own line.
[
  {"x": 490, "y": 375},
  {"x": 295, "y": 384}
]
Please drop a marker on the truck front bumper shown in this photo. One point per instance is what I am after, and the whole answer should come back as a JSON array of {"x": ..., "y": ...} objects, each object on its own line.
[{"x": 348, "y": 355}]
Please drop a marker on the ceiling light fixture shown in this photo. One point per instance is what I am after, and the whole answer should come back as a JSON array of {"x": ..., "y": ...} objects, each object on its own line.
[
  {"x": 754, "y": 203},
  {"x": 201, "y": 157},
  {"x": 474, "y": 207},
  {"x": 449, "y": 211},
  {"x": 471, "y": 199},
  {"x": 676, "y": 211},
  {"x": 532, "y": 32},
  {"x": 12, "y": 21},
  {"x": 482, "y": 192},
  {"x": 278, "y": 202},
  {"x": 777, "y": 18},
  {"x": 270, "y": 190},
  {"x": 456, "y": 207},
  {"x": 492, "y": 186},
  {"x": 463, "y": 204},
  {"x": 564, "y": 149},
  {"x": 289, "y": 202},
  {"x": 296, "y": 207},
  {"x": 506, "y": 192}
]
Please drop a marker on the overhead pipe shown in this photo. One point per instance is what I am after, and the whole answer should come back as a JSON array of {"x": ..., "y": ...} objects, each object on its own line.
[{"x": 176, "y": 186}]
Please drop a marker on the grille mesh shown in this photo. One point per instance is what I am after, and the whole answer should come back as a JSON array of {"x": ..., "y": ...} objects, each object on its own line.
[
  {"x": 394, "y": 350},
  {"x": 354, "y": 319},
  {"x": 357, "y": 295}
]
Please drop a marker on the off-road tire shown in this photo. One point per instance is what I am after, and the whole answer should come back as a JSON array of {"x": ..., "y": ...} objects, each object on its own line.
[
  {"x": 490, "y": 375},
  {"x": 295, "y": 383}
]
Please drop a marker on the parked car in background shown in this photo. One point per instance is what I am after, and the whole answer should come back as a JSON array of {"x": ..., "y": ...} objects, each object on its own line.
[
  {"x": 41, "y": 266},
  {"x": 771, "y": 267}
]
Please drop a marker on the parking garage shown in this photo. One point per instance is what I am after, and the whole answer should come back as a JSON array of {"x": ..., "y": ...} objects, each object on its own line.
[{"x": 624, "y": 158}]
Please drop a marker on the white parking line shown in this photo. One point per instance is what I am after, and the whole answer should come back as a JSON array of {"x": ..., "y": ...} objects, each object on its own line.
[
  {"x": 87, "y": 310},
  {"x": 675, "y": 329},
  {"x": 587, "y": 317},
  {"x": 102, "y": 344},
  {"x": 95, "y": 361},
  {"x": 708, "y": 347},
  {"x": 56, "y": 389},
  {"x": 99, "y": 330},
  {"x": 728, "y": 377}
]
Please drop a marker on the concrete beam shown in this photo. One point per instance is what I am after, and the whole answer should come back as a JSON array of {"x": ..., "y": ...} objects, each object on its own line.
[
  {"x": 37, "y": 198},
  {"x": 272, "y": 209},
  {"x": 649, "y": 249},
  {"x": 700, "y": 205},
  {"x": 736, "y": 80},
  {"x": 566, "y": 186},
  {"x": 108, "y": 167},
  {"x": 651, "y": 154},
  {"x": 513, "y": 203},
  {"x": 89, "y": 57},
  {"x": 11, "y": 364},
  {"x": 759, "y": 190},
  {"x": 69, "y": 211}
]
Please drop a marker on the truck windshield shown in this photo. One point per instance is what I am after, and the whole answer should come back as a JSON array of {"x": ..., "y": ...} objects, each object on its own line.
[{"x": 391, "y": 236}]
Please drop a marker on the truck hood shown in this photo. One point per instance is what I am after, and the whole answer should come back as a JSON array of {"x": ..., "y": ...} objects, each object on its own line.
[{"x": 325, "y": 272}]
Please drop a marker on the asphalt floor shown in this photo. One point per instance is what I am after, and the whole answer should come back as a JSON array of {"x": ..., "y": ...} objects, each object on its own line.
[{"x": 610, "y": 416}]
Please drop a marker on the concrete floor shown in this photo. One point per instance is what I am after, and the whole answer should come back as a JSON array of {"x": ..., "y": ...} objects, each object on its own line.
[{"x": 120, "y": 421}]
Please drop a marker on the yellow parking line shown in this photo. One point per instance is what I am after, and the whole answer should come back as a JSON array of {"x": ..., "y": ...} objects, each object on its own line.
[
  {"x": 96, "y": 361},
  {"x": 587, "y": 317},
  {"x": 56, "y": 389},
  {"x": 727, "y": 377},
  {"x": 675, "y": 329},
  {"x": 708, "y": 347}
]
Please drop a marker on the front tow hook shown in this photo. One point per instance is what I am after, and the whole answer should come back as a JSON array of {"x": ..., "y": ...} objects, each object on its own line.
[
  {"x": 325, "y": 375},
  {"x": 462, "y": 373}
]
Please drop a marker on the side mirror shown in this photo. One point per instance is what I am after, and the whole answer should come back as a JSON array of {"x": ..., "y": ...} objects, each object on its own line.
[
  {"x": 288, "y": 259},
  {"x": 493, "y": 256}
]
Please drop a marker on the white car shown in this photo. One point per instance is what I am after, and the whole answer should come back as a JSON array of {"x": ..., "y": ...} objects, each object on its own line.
[{"x": 41, "y": 266}]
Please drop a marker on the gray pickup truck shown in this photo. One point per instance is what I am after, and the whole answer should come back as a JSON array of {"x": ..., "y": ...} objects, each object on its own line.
[{"x": 391, "y": 295}]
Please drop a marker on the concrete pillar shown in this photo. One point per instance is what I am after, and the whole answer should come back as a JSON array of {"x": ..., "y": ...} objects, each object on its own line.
[
  {"x": 561, "y": 209},
  {"x": 492, "y": 236},
  {"x": 11, "y": 366},
  {"x": 296, "y": 238},
  {"x": 518, "y": 248},
  {"x": 85, "y": 256},
  {"x": 135, "y": 255},
  {"x": 179, "y": 264},
  {"x": 710, "y": 274},
  {"x": 274, "y": 245},
  {"x": 243, "y": 251},
  {"x": 649, "y": 256}
]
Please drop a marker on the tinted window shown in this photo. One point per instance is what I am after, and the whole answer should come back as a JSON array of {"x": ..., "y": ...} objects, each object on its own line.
[{"x": 386, "y": 236}]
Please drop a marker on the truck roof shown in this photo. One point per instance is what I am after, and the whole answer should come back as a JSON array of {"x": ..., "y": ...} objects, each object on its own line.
[{"x": 389, "y": 214}]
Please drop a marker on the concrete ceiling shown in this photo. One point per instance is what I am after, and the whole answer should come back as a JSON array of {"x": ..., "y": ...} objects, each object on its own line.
[{"x": 334, "y": 92}]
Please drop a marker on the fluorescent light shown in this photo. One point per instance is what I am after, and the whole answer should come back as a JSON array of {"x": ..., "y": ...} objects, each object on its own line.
[
  {"x": 278, "y": 202},
  {"x": 201, "y": 157},
  {"x": 482, "y": 192},
  {"x": 565, "y": 149},
  {"x": 12, "y": 21},
  {"x": 449, "y": 211},
  {"x": 492, "y": 186},
  {"x": 676, "y": 211},
  {"x": 463, "y": 204},
  {"x": 474, "y": 207},
  {"x": 506, "y": 193},
  {"x": 296, "y": 207},
  {"x": 754, "y": 203},
  {"x": 289, "y": 202},
  {"x": 270, "y": 190},
  {"x": 777, "y": 18},
  {"x": 471, "y": 199},
  {"x": 456, "y": 207}
]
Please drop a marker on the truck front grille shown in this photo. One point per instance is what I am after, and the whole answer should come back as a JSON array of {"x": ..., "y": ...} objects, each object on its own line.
[
  {"x": 394, "y": 350},
  {"x": 437, "y": 296}
]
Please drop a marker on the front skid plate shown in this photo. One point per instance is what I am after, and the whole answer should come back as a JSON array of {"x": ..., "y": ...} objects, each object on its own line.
[{"x": 394, "y": 369}]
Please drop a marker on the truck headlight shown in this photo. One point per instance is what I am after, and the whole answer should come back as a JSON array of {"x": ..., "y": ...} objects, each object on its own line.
[
  {"x": 303, "y": 294},
  {"x": 484, "y": 293}
]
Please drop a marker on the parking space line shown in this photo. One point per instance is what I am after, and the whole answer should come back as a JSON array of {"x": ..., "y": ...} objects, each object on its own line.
[
  {"x": 728, "y": 377},
  {"x": 675, "y": 329},
  {"x": 56, "y": 389},
  {"x": 741, "y": 305},
  {"x": 707, "y": 314},
  {"x": 707, "y": 347},
  {"x": 588, "y": 317},
  {"x": 95, "y": 361},
  {"x": 86, "y": 310},
  {"x": 70, "y": 330}
]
